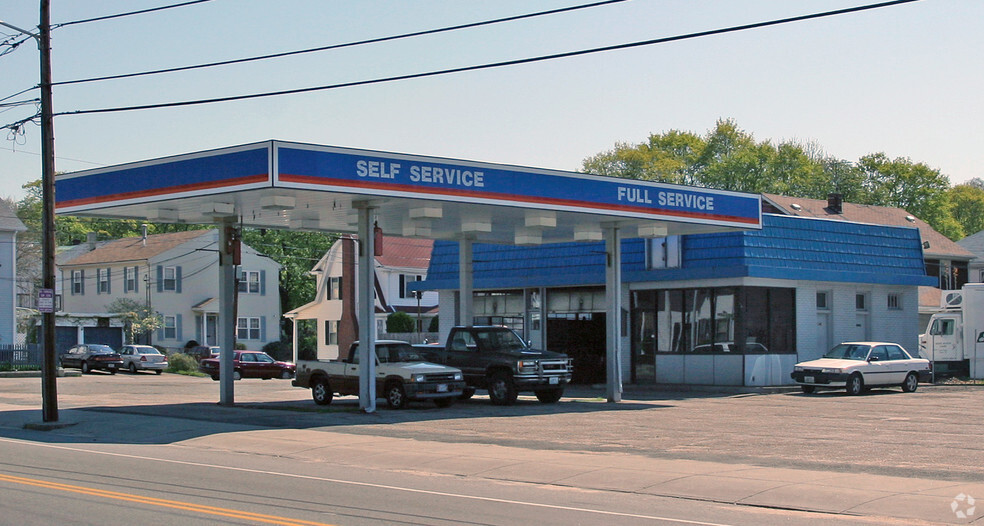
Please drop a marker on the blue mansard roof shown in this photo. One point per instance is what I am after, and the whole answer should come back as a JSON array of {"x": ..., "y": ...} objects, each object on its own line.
[{"x": 792, "y": 248}]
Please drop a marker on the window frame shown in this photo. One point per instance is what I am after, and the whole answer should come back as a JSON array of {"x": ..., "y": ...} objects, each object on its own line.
[
  {"x": 245, "y": 323},
  {"x": 173, "y": 280}
]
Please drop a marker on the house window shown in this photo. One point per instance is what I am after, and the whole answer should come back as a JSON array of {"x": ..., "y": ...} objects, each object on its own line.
[
  {"x": 405, "y": 281},
  {"x": 331, "y": 332},
  {"x": 103, "y": 275},
  {"x": 894, "y": 302},
  {"x": 77, "y": 282},
  {"x": 823, "y": 300},
  {"x": 129, "y": 279},
  {"x": 335, "y": 288},
  {"x": 170, "y": 327},
  {"x": 664, "y": 252},
  {"x": 861, "y": 302},
  {"x": 249, "y": 282},
  {"x": 248, "y": 329},
  {"x": 170, "y": 278}
]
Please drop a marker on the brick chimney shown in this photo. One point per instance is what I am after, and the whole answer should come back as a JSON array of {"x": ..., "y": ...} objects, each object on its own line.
[
  {"x": 835, "y": 203},
  {"x": 348, "y": 326}
]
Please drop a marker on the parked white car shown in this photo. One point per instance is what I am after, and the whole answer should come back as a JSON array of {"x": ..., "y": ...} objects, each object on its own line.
[
  {"x": 853, "y": 366},
  {"x": 142, "y": 358}
]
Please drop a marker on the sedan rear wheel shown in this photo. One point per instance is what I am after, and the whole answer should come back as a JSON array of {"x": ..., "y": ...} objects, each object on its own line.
[
  {"x": 84, "y": 367},
  {"x": 911, "y": 383},
  {"x": 236, "y": 375},
  {"x": 808, "y": 389},
  {"x": 855, "y": 384},
  {"x": 133, "y": 368}
]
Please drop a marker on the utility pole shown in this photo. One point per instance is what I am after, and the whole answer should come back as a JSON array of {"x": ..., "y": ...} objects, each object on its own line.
[{"x": 49, "y": 390}]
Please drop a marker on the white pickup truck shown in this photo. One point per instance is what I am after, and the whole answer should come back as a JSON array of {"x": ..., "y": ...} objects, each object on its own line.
[{"x": 401, "y": 376}]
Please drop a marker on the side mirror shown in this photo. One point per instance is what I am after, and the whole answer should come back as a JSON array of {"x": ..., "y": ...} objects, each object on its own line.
[{"x": 873, "y": 359}]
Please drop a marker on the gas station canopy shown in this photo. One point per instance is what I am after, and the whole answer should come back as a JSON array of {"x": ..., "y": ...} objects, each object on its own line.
[
  {"x": 284, "y": 185},
  {"x": 295, "y": 186}
]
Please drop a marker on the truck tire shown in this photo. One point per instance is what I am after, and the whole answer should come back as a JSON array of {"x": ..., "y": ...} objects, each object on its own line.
[
  {"x": 396, "y": 396},
  {"x": 321, "y": 391},
  {"x": 549, "y": 396},
  {"x": 502, "y": 390}
]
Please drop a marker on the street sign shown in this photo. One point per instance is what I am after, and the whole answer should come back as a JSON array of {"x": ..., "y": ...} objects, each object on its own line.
[{"x": 46, "y": 300}]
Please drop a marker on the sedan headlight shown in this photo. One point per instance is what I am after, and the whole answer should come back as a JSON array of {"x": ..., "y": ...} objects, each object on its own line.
[
  {"x": 797, "y": 369},
  {"x": 833, "y": 371}
]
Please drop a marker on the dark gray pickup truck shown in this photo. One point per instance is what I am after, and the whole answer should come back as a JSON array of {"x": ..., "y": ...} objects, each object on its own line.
[{"x": 498, "y": 360}]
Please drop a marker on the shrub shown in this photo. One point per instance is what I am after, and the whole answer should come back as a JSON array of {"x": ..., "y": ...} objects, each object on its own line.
[
  {"x": 434, "y": 326},
  {"x": 282, "y": 351},
  {"x": 182, "y": 364},
  {"x": 400, "y": 322}
]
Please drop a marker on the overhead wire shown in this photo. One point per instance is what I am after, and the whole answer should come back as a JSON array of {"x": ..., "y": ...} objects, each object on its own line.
[
  {"x": 340, "y": 46},
  {"x": 130, "y": 13},
  {"x": 492, "y": 65}
]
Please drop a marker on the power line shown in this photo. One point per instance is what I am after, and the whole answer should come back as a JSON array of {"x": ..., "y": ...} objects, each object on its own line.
[
  {"x": 120, "y": 15},
  {"x": 514, "y": 62},
  {"x": 339, "y": 46},
  {"x": 21, "y": 92}
]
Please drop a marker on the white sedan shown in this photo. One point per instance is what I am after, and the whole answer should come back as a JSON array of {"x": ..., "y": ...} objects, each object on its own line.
[{"x": 854, "y": 366}]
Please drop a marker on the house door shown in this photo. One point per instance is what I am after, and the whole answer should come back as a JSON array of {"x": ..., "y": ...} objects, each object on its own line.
[
  {"x": 211, "y": 329},
  {"x": 823, "y": 333}
]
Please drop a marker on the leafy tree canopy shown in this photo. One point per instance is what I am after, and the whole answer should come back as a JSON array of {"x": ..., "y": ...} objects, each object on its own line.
[{"x": 729, "y": 158}]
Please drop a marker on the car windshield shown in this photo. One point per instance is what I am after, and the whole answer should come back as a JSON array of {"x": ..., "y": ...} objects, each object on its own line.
[{"x": 849, "y": 351}]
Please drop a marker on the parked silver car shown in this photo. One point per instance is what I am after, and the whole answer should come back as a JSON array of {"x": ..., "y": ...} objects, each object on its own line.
[{"x": 143, "y": 358}]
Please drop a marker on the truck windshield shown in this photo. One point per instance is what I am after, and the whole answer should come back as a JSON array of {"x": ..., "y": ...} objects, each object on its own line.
[
  {"x": 402, "y": 353},
  {"x": 502, "y": 339}
]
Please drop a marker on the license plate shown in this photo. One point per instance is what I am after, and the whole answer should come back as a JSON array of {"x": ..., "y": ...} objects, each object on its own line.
[
  {"x": 554, "y": 380},
  {"x": 808, "y": 379},
  {"x": 442, "y": 388}
]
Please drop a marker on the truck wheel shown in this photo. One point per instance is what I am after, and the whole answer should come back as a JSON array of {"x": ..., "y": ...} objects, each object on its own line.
[
  {"x": 466, "y": 393},
  {"x": 911, "y": 383},
  {"x": 396, "y": 396},
  {"x": 444, "y": 402},
  {"x": 502, "y": 390},
  {"x": 321, "y": 391},
  {"x": 549, "y": 396}
]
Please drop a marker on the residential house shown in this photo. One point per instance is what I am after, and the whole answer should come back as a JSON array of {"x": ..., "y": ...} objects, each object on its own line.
[
  {"x": 10, "y": 225},
  {"x": 402, "y": 261},
  {"x": 945, "y": 260},
  {"x": 177, "y": 274},
  {"x": 974, "y": 244}
]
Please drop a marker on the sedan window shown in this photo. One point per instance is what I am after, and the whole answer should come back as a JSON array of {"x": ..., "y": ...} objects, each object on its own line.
[
  {"x": 896, "y": 353},
  {"x": 879, "y": 354}
]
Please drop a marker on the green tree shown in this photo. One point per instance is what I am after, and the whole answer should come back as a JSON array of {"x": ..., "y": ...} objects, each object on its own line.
[
  {"x": 400, "y": 322},
  {"x": 967, "y": 206},
  {"x": 139, "y": 318},
  {"x": 297, "y": 253},
  {"x": 913, "y": 187}
]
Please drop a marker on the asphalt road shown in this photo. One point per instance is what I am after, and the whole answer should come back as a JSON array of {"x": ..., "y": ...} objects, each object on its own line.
[{"x": 934, "y": 432}]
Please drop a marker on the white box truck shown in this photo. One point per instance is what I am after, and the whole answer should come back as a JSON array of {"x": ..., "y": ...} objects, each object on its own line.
[{"x": 954, "y": 339}]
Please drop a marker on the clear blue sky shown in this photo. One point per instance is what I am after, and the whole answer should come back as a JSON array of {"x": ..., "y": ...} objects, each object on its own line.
[{"x": 906, "y": 80}]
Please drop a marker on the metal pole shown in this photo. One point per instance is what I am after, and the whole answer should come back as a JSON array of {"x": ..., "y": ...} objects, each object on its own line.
[
  {"x": 367, "y": 310},
  {"x": 613, "y": 297},
  {"x": 49, "y": 389}
]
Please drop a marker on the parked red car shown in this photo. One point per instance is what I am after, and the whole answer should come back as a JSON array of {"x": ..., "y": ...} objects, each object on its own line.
[{"x": 250, "y": 364}]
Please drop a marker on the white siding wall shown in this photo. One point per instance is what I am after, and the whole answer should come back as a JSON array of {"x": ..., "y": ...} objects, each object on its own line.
[{"x": 8, "y": 288}]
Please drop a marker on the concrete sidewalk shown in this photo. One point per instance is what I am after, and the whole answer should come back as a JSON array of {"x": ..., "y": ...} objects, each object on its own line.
[{"x": 905, "y": 498}]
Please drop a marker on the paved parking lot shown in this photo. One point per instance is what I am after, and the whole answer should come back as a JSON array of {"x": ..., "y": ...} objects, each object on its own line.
[{"x": 933, "y": 433}]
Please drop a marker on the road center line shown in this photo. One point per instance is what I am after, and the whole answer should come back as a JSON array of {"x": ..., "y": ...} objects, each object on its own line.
[{"x": 368, "y": 484}]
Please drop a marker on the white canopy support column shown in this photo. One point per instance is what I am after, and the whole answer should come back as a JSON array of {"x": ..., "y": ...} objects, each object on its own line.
[
  {"x": 367, "y": 309},
  {"x": 466, "y": 309},
  {"x": 613, "y": 299},
  {"x": 227, "y": 311}
]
